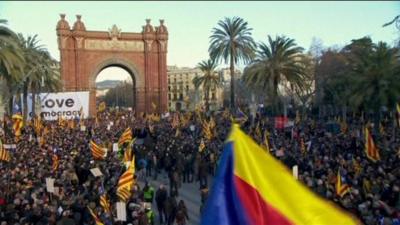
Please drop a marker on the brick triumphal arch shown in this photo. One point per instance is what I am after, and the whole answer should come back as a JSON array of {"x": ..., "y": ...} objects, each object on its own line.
[{"x": 83, "y": 54}]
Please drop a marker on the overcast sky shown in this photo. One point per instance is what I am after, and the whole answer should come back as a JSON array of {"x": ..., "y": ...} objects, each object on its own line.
[{"x": 190, "y": 23}]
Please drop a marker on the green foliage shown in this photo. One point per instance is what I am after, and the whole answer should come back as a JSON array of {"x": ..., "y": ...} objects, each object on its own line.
[
  {"x": 210, "y": 79},
  {"x": 122, "y": 95},
  {"x": 231, "y": 41},
  {"x": 279, "y": 62},
  {"x": 363, "y": 75}
]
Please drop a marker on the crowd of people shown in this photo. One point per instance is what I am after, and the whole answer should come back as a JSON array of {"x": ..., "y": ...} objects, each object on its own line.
[{"x": 179, "y": 147}]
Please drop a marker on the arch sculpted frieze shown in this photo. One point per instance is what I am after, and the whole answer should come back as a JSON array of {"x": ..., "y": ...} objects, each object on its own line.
[{"x": 114, "y": 44}]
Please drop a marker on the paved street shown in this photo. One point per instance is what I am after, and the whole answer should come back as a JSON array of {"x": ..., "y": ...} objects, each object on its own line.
[{"x": 189, "y": 192}]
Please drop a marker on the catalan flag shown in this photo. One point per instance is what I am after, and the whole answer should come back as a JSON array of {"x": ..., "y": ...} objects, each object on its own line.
[
  {"x": 207, "y": 130},
  {"x": 4, "y": 154},
  {"x": 342, "y": 188},
  {"x": 97, "y": 151},
  {"x": 125, "y": 137},
  {"x": 17, "y": 124},
  {"x": 96, "y": 219},
  {"x": 370, "y": 149},
  {"x": 124, "y": 194},
  {"x": 252, "y": 187},
  {"x": 104, "y": 200},
  {"x": 102, "y": 107},
  {"x": 128, "y": 155},
  {"x": 126, "y": 181},
  {"x": 37, "y": 124}
]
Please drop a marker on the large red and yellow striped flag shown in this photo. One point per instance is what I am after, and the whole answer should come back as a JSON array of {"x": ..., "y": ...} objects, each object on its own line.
[
  {"x": 17, "y": 124},
  {"x": 125, "y": 137},
  {"x": 342, "y": 187},
  {"x": 97, "y": 151},
  {"x": 370, "y": 149},
  {"x": 4, "y": 154},
  {"x": 126, "y": 181},
  {"x": 96, "y": 219},
  {"x": 252, "y": 187}
]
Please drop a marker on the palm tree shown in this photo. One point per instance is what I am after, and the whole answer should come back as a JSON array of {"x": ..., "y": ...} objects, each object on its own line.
[
  {"x": 210, "y": 79},
  {"x": 11, "y": 60},
  {"x": 231, "y": 41},
  {"x": 275, "y": 63},
  {"x": 10, "y": 54},
  {"x": 39, "y": 69}
]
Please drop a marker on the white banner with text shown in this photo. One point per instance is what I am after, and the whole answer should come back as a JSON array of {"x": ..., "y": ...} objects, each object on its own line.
[{"x": 67, "y": 105}]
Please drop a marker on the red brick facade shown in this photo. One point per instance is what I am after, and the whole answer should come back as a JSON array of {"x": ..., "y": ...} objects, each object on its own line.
[{"x": 83, "y": 54}]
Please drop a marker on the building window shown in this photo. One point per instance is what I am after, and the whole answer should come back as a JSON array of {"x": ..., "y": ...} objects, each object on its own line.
[
  {"x": 180, "y": 96},
  {"x": 169, "y": 96},
  {"x": 169, "y": 105},
  {"x": 187, "y": 87},
  {"x": 174, "y": 80},
  {"x": 174, "y": 96},
  {"x": 213, "y": 96},
  {"x": 169, "y": 88}
]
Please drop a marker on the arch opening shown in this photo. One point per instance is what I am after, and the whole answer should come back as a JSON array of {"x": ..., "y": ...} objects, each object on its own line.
[{"x": 116, "y": 85}]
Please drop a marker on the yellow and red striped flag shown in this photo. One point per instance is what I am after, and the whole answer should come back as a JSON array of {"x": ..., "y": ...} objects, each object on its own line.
[
  {"x": 37, "y": 124},
  {"x": 342, "y": 188},
  {"x": 253, "y": 187},
  {"x": 126, "y": 181},
  {"x": 96, "y": 219},
  {"x": 56, "y": 162},
  {"x": 97, "y": 151},
  {"x": 124, "y": 194},
  {"x": 104, "y": 200},
  {"x": 125, "y": 137},
  {"x": 102, "y": 107},
  {"x": 4, "y": 154},
  {"x": 128, "y": 154},
  {"x": 370, "y": 149},
  {"x": 18, "y": 124}
]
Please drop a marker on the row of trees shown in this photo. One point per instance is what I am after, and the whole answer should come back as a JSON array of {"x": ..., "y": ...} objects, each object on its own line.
[
  {"x": 362, "y": 76},
  {"x": 121, "y": 95},
  {"x": 25, "y": 67}
]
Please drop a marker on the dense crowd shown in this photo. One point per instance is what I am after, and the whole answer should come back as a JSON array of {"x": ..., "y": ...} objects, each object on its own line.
[{"x": 165, "y": 148}]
